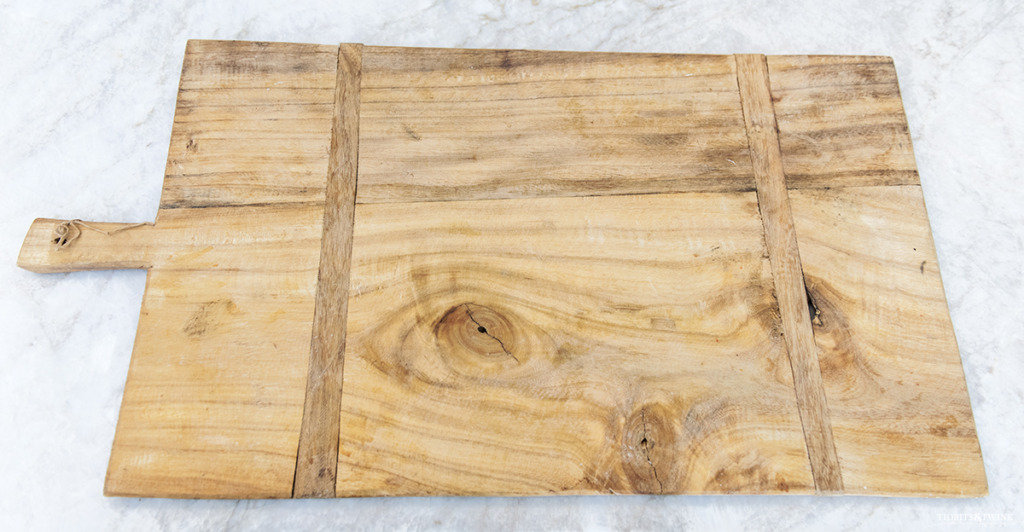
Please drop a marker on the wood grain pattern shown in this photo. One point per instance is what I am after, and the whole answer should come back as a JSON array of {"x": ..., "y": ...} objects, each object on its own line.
[
  {"x": 841, "y": 121},
  {"x": 252, "y": 125},
  {"x": 214, "y": 398},
  {"x": 565, "y": 273},
  {"x": 318, "y": 443},
  {"x": 225, "y": 238},
  {"x": 213, "y": 402},
  {"x": 90, "y": 250},
  {"x": 897, "y": 398},
  {"x": 780, "y": 239},
  {"x": 476, "y": 124},
  {"x": 623, "y": 344}
]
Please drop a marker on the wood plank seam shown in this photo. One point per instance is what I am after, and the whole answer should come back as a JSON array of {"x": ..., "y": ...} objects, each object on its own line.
[
  {"x": 317, "y": 456},
  {"x": 784, "y": 256}
]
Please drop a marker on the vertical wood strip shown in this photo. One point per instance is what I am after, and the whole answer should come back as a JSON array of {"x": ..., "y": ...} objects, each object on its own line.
[
  {"x": 316, "y": 465},
  {"x": 780, "y": 238}
]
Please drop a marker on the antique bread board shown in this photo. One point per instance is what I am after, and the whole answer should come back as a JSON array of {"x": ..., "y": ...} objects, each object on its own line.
[{"x": 398, "y": 271}]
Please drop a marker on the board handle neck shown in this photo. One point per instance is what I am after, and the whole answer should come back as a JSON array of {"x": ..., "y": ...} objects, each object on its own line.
[{"x": 55, "y": 246}]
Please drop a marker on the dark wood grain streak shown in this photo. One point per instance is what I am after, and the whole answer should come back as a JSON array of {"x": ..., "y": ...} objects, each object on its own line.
[
  {"x": 780, "y": 239},
  {"x": 448, "y": 125},
  {"x": 841, "y": 122},
  {"x": 316, "y": 465},
  {"x": 251, "y": 125}
]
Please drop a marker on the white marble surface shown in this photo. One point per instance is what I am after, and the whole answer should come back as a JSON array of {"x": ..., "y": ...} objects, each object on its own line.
[{"x": 87, "y": 92}]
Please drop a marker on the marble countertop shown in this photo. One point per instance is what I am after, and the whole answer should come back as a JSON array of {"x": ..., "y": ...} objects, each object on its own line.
[{"x": 87, "y": 93}]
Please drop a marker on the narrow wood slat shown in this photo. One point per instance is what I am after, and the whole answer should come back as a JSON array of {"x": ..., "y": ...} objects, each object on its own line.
[
  {"x": 316, "y": 465},
  {"x": 780, "y": 239}
]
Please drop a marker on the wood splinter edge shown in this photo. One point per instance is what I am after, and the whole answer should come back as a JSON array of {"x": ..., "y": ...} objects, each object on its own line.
[
  {"x": 316, "y": 464},
  {"x": 784, "y": 255}
]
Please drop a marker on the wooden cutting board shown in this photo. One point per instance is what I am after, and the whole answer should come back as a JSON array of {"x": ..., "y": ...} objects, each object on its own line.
[{"x": 401, "y": 271}]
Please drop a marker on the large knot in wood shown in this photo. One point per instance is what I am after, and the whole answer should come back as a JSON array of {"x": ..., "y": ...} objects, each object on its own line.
[
  {"x": 479, "y": 340},
  {"x": 648, "y": 443}
]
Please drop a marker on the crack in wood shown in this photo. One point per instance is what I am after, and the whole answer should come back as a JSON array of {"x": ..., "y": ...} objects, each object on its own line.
[
  {"x": 646, "y": 445},
  {"x": 812, "y": 307},
  {"x": 480, "y": 328}
]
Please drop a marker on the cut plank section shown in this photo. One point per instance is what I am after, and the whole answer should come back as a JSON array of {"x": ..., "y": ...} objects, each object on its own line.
[
  {"x": 478, "y": 124},
  {"x": 318, "y": 445},
  {"x": 841, "y": 121},
  {"x": 780, "y": 239},
  {"x": 267, "y": 104},
  {"x": 590, "y": 345},
  {"x": 213, "y": 404},
  {"x": 898, "y": 400},
  {"x": 214, "y": 399}
]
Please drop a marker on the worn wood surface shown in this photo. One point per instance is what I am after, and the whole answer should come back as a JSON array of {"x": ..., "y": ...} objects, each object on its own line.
[
  {"x": 780, "y": 238},
  {"x": 624, "y": 344},
  {"x": 252, "y": 125},
  {"x": 477, "y": 124},
  {"x": 897, "y": 399},
  {"x": 214, "y": 398},
  {"x": 573, "y": 273},
  {"x": 841, "y": 121},
  {"x": 318, "y": 443},
  {"x": 87, "y": 248}
]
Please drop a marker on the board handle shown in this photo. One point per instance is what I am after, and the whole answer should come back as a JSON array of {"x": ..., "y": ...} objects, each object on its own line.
[{"x": 56, "y": 246}]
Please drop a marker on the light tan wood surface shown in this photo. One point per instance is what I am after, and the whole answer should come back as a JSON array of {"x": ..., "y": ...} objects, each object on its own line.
[
  {"x": 477, "y": 124},
  {"x": 252, "y": 125},
  {"x": 625, "y": 344},
  {"x": 214, "y": 399},
  {"x": 318, "y": 443},
  {"x": 780, "y": 238},
  {"x": 890, "y": 366},
  {"x": 393, "y": 271},
  {"x": 841, "y": 121}
]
